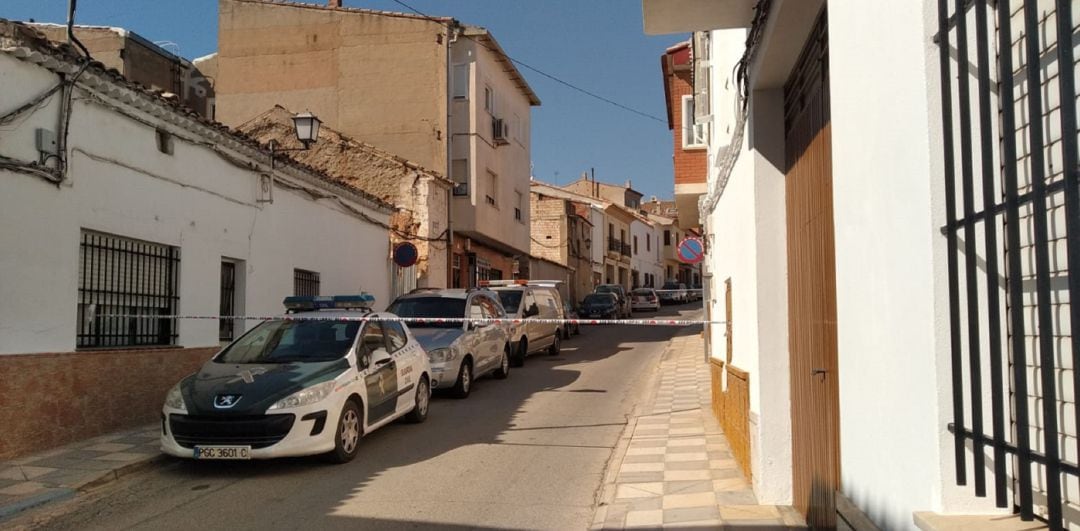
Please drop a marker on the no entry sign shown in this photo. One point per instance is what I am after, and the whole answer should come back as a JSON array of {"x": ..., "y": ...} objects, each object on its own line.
[
  {"x": 691, "y": 251},
  {"x": 405, "y": 254}
]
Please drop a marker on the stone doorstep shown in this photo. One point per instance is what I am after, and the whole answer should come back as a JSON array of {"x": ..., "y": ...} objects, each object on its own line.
[{"x": 928, "y": 521}]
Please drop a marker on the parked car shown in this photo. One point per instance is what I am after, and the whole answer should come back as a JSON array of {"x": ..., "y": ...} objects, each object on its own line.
[
  {"x": 600, "y": 306},
  {"x": 696, "y": 292},
  {"x": 531, "y": 304},
  {"x": 645, "y": 299},
  {"x": 673, "y": 293},
  {"x": 300, "y": 387},
  {"x": 459, "y": 353},
  {"x": 620, "y": 293},
  {"x": 571, "y": 313}
]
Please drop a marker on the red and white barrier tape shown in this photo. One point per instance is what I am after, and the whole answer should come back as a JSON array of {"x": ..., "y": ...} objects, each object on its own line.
[{"x": 422, "y": 320}]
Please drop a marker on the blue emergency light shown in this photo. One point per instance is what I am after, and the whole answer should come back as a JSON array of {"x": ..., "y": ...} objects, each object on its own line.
[{"x": 363, "y": 301}]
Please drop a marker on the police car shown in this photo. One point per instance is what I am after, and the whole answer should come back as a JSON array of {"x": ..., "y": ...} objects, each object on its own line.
[{"x": 312, "y": 382}]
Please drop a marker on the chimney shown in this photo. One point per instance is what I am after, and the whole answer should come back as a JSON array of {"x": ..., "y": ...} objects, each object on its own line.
[
  {"x": 628, "y": 184},
  {"x": 334, "y": 3}
]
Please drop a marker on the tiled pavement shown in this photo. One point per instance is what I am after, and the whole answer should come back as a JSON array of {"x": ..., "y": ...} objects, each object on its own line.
[
  {"x": 676, "y": 469},
  {"x": 61, "y": 472}
]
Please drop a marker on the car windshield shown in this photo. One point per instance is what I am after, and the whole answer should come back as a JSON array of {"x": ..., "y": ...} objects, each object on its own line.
[
  {"x": 431, "y": 308},
  {"x": 642, "y": 292},
  {"x": 511, "y": 299},
  {"x": 597, "y": 300},
  {"x": 292, "y": 341}
]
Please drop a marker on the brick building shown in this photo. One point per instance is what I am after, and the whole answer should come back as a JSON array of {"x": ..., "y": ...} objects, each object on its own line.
[
  {"x": 562, "y": 233},
  {"x": 689, "y": 138}
]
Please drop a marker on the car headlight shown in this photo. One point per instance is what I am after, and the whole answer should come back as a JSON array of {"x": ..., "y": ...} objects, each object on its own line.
[
  {"x": 310, "y": 395},
  {"x": 175, "y": 399},
  {"x": 440, "y": 355}
]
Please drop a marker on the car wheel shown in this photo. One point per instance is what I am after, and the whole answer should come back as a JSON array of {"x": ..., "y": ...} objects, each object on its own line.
[
  {"x": 423, "y": 400},
  {"x": 518, "y": 360},
  {"x": 350, "y": 429},
  {"x": 556, "y": 345},
  {"x": 504, "y": 365},
  {"x": 464, "y": 381}
]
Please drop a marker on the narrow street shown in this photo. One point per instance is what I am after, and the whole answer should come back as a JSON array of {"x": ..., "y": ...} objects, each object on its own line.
[{"x": 527, "y": 452}]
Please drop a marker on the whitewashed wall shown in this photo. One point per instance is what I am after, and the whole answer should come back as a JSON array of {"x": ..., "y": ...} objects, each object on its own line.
[
  {"x": 747, "y": 244},
  {"x": 193, "y": 199}
]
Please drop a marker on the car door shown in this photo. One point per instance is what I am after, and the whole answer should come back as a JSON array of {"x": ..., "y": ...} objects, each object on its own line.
[
  {"x": 529, "y": 306},
  {"x": 491, "y": 333},
  {"x": 405, "y": 358},
  {"x": 473, "y": 338},
  {"x": 380, "y": 373},
  {"x": 548, "y": 311}
]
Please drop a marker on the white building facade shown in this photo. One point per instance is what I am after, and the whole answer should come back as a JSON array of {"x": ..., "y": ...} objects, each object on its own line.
[
  {"x": 153, "y": 211},
  {"x": 849, "y": 252}
]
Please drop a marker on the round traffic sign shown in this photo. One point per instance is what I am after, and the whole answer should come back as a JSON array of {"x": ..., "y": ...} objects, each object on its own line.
[
  {"x": 405, "y": 254},
  {"x": 691, "y": 250}
]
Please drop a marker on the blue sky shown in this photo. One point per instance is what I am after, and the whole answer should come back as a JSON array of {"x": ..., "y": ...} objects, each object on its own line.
[{"x": 595, "y": 44}]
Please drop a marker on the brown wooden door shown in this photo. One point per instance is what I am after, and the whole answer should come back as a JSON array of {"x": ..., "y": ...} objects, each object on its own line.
[{"x": 812, "y": 286}]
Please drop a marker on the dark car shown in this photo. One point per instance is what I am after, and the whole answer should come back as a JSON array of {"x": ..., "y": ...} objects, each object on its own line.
[{"x": 600, "y": 306}]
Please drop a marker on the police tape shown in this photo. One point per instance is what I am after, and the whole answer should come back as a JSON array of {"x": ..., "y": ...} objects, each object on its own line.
[{"x": 415, "y": 320}]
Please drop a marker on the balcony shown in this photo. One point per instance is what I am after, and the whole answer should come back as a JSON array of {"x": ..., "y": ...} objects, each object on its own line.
[{"x": 681, "y": 16}]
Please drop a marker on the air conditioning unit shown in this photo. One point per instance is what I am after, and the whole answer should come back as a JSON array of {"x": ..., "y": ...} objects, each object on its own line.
[
  {"x": 701, "y": 133},
  {"x": 500, "y": 130}
]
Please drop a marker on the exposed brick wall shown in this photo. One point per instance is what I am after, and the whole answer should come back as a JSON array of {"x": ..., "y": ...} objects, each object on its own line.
[
  {"x": 549, "y": 228},
  {"x": 49, "y": 400},
  {"x": 690, "y": 164}
]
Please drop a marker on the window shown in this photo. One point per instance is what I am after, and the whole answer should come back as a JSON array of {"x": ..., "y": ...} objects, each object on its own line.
[
  {"x": 395, "y": 336},
  {"x": 305, "y": 283},
  {"x": 648, "y": 242},
  {"x": 459, "y": 172},
  {"x": 228, "y": 301},
  {"x": 635, "y": 245},
  {"x": 667, "y": 238},
  {"x": 164, "y": 142},
  {"x": 692, "y": 136},
  {"x": 489, "y": 100},
  {"x": 125, "y": 276},
  {"x": 611, "y": 230},
  {"x": 622, "y": 236},
  {"x": 493, "y": 189},
  {"x": 517, "y": 209},
  {"x": 455, "y": 282},
  {"x": 371, "y": 340},
  {"x": 490, "y": 308},
  {"x": 461, "y": 82}
]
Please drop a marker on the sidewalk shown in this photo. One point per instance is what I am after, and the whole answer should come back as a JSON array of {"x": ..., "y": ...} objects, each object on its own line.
[
  {"x": 60, "y": 473},
  {"x": 674, "y": 468}
]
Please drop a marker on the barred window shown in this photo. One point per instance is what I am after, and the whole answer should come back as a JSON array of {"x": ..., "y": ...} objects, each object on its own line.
[
  {"x": 123, "y": 276},
  {"x": 305, "y": 283}
]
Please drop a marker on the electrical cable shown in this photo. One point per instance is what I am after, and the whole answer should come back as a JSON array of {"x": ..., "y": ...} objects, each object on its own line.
[{"x": 537, "y": 70}]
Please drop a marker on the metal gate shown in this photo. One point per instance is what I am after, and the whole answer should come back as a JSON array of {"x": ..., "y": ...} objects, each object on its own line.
[
  {"x": 815, "y": 423},
  {"x": 1012, "y": 227}
]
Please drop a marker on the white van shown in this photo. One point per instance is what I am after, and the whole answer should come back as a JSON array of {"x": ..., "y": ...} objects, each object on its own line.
[{"x": 531, "y": 303}]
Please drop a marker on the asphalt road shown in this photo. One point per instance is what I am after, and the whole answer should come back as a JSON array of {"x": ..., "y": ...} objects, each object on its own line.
[{"x": 528, "y": 452}]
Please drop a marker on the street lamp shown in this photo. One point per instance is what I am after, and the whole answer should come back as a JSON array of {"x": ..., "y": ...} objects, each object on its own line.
[{"x": 306, "y": 126}]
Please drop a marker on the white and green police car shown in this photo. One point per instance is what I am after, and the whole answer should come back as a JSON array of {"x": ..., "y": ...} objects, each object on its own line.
[{"x": 311, "y": 382}]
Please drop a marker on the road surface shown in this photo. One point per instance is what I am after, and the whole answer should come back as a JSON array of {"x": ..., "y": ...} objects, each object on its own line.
[{"x": 528, "y": 452}]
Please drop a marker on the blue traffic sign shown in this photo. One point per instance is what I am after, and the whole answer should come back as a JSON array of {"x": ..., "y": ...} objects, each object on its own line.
[
  {"x": 405, "y": 254},
  {"x": 691, "y": 250}
]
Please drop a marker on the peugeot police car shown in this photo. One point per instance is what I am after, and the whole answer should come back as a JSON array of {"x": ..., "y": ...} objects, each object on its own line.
[{"x": 311, "y": 382}]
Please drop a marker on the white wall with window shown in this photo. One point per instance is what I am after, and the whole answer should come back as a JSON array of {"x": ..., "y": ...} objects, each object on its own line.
[{"x": 137, "y": 229}]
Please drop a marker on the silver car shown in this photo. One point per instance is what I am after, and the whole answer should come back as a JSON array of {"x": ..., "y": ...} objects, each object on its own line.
[
  {"x": 536, "y": 306},
  {"x": 459, "y": 353}
]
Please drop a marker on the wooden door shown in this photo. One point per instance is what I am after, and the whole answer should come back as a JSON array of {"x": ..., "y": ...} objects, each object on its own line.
[{"x": 812, "y": 285}]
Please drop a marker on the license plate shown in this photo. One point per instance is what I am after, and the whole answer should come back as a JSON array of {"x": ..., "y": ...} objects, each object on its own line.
[{"x": 222, "y": 452}]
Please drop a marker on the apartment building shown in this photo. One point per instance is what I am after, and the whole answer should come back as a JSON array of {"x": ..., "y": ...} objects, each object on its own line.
[
  {"x": 429, "y": 89},
  {"x": 561, "y": 233},
  {"x": 898, "y": 331},
  {"x": 689, "y": 136},
  {"x": 143, "y": 62}
]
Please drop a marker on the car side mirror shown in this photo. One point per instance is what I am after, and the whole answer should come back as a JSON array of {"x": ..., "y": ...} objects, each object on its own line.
[{"x": 380, "y": 357}]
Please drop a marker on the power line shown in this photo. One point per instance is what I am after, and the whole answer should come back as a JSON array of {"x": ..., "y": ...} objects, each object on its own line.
[{"x": 541, "y": 72}]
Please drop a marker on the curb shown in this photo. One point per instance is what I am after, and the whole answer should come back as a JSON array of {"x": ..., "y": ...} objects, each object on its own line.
[
  {"x": 37, "y": 500},
  {"x": 62, "y": 493}
]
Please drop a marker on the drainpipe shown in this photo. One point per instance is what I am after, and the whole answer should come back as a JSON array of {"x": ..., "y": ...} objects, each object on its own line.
[{"x": 451, "y": 38}]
